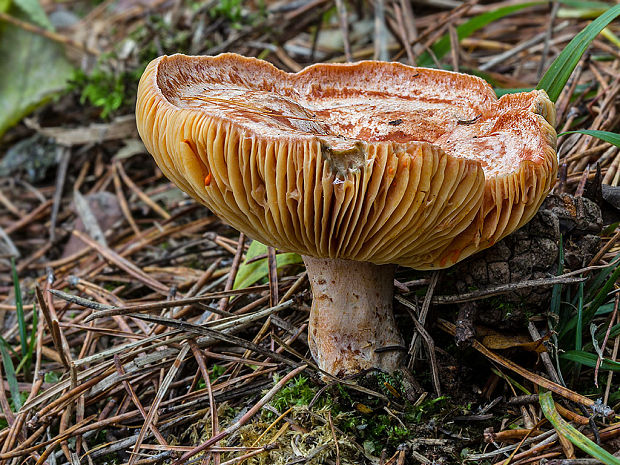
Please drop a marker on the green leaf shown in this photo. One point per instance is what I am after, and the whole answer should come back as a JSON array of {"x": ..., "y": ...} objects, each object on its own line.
[
  {"x": 21, "y": 321},
  {"x": 611, "y": 137},
  {"x": 11, "y": 378},
  {"x": 34, "y": 12},
  {"x": 562, "y": 67},
  {"x": 571, "y": 433},
  {"x": 442, "y": 46},
  {"x": 587, "y": 359},
  {"x": 33, "y": 69},
  {"x": 51, "y": 377},
  {"x": 250, "y": 273}
]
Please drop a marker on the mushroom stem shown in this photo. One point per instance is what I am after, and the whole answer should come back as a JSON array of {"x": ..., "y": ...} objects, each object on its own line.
[{"x": 352, "y": 326}]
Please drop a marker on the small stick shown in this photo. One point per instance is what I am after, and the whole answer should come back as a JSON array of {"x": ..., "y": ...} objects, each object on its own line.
[
  {"x": 504, "y": 450},
  {"x": 233, "y": 272},
  {"x": 47, "y": 34},
  {"x": 273, "y": 276},
  {"x": 294, "y": 288},
  {"x": 52, "y": 324},
  {"x": 437, "y": 28},
  {"x": 105, "y": 311},
  {"x": 344, "y": 28},
  {"x": 89, "y": 220},
  {"x": 272, "y": 425},
  {"x": 548, "y": 34},
  {"x": 606, "y": 247},
  {"x": 423, "y": 312},
  {"x": 123, "y": 263},
  {"x": 544, "y": 356},
  {"x": 331, "y": 426},
  {"x": 10, "y": 206},
  {"x": 403, "y": 33},
  {"x": 503, "y": 289},
  {"x": 244, "y": 419},
  {"x": 163, "y": 388},
  {"x": 534, "y": 378},
  {"x": 519, "y": 48},
  {"x": 61, "y": 174},
  {"x": 243, "y": 457},
  {"x": 145, "y": 198},
  {"x": 564, "y": 99},
  {"x": 381, "y": 33},
  {"x": 132, "y": 393},
  {"x": 30, "y": 217},
  {"x": 410, "y": 26},
  {"x": 611, "y": 323},
  {"x": 123, "y": 201},
  {"x": 614, "y": 354},
  {"x": 454, "y": 46},
  {"x": 218, "y": 335},
  {"x": 212, "y": 407},
  {"x": 431, "y": 353},
  {"x": 4, "y": 403}
]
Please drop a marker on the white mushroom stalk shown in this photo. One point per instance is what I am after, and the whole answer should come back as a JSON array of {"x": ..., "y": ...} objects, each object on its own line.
[{"x": 352, "y": 326}]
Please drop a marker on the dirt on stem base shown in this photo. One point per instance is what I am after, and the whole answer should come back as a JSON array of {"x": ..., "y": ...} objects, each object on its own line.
[{"x": 352, "y": 326}]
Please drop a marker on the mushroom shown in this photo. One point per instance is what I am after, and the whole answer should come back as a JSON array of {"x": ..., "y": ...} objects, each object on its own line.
[{"x": 357, "y": 167}]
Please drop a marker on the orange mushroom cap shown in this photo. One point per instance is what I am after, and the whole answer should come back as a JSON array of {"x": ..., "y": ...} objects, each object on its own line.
[{"x": 371, "y": 161}]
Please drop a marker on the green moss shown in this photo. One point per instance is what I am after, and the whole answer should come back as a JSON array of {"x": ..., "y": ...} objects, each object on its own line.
[
  {"x": 216, "y": 372},
  {"x": 230, "y": 9},
  {"x": 297, "y": 392},
  {"x": 106, "y": 89},
  {"x": 377, "y": 429},
  {"x": 51, "y": 377}
]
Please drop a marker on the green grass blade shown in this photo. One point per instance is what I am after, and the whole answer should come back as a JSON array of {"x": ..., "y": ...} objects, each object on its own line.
[
  {"x": 511, "y": 381},
  {"x": 602, "y": 294},
  {"x": 606, "y": 136},
  {"x": 501, "y": 91},
  {"x": 586, "y": 4},
  {"x": 556, "y": 294},
  {"x": 569, "y": 432},
  {"x": 615, "y": 331},
  {"x": 11, "y": 377},
  {"x": 562, "y": 67},
  {"x": 589, "y": 360},
  {"x": 33, "y": 337},
  {"x": 27, "y": 360},
  {"x": 21, "y": 321},
  {"x": 579, "y": 330},
  {"x": 442, "y": 46},
  {"x": 600, "y": 278}
]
